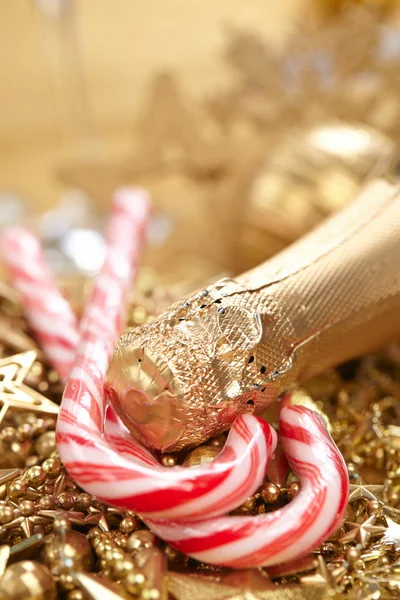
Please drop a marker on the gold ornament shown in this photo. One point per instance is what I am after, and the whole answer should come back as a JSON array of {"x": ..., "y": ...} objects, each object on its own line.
[
  {"x": 46, "y": 444},
  {"x": 152, "y": 564},
  {"x": 362, "y": 532},
  {"x": 68, "y": 552},
  {"x": 14, "y": 393},
  {"x": 27, "y": 580},
  {"x": 391, "y": 536},
  {"x": 201, "y": 456},
  {"x": 361, "y": 491},
  {"x": 270, "y": 493}
]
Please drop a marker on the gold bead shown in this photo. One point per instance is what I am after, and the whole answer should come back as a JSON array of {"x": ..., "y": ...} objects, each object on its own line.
[
  {"x": 27, "y": 508},
  {"x": 293, "y": 489},
  {"x": 52, "y": 466},
  {"x": 71, "y": 553},
  {"x": 48, "y": 488},
  {"x": 122, "y": 567},
  {"x": 140, "y": 539},
  {"x": 352, "y": 555},
  {"x": 24, "y": 432},
  {"x": 32, "y": 460},
  {"x": 46, "y": 444},
  {"x": 108, "y": 555},
  {"x": 168, "y": 460},
  {"x": 8, "y": 435},
  {"x": 201, "y": 456},
  {"x": 135, "y": 582},
  {"x": 39, "y": 426},
  {"x": 249, "y": 504},
  {"x": 35, "y": 475},
  {"x": 28, "y": 580},
  {"x": 65, "y": 501},
  {"x": 6, "y": 514},
  {"x": 129, "y": 524},
  {"x": 120, "y": 539},
  {"x": 47, "y": 502},
  {"x": 16, "y": 489},
  {"x": 94, "y": 534},
  {"x": 83, "y": 501},
  {"x": 75, "y": 595},
  {"x": 270, "y": 493},
  {"x": 67, "y": 581}
]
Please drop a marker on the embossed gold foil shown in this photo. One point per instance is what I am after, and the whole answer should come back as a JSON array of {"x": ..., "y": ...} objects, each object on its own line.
[{"x": 235, "y": 346}]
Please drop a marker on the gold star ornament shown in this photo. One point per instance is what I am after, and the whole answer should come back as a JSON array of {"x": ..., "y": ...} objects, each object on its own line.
[{"x": 14, "y": 393}]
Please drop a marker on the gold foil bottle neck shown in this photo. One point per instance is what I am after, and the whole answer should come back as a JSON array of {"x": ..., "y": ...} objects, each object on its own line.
[{"x": 233, "y": 347}]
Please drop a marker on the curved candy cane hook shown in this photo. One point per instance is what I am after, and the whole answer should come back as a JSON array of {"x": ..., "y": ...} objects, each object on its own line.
[
  {"x": 98, "y": 459},
  {"x": 109, "y": 463},
  {"x": 285, "y": 534}
]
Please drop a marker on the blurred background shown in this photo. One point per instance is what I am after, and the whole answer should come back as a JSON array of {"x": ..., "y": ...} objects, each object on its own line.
[{"x": 247, "y": 122}]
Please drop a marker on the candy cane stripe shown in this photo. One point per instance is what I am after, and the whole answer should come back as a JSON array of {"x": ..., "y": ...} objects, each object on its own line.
[{"x": 288, "y": 533}]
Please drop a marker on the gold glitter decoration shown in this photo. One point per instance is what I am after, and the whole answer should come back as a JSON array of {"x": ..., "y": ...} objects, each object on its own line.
[
  {"x": 14, "y": 393},
  {"x": 27, "y": 580},
  {"x": 362, "y": 532}
]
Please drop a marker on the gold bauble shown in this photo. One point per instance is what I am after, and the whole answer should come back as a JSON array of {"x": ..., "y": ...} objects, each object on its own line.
[
  {"x": 201, "y": 456},
  {"x": 140, "y": 539},
  {"x": 46, "y": 444},
  {"x": 73, "y": 552},
  {"x": 27, "y": 580},
  {"x": 315, "y": 170}
]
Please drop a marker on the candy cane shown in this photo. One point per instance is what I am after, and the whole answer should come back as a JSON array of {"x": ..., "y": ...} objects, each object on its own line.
[
  {"x": 288, "y": 533},
  {"x": 133, "y": 466},
  {"x": 111, "y": 464},
  {"x": 47, "y": 310}
]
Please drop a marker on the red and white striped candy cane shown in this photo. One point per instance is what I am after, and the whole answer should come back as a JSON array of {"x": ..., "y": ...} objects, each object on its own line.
[
  {"x": 48, "y": 312},
  {"x": 114, "y": 457},
  {"x": 109, "y": 463},
  {"x": 290, "y": 532}
]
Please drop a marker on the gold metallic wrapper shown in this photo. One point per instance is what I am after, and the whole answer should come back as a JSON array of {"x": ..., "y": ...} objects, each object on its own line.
[{"x": 235, "y": 346}]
